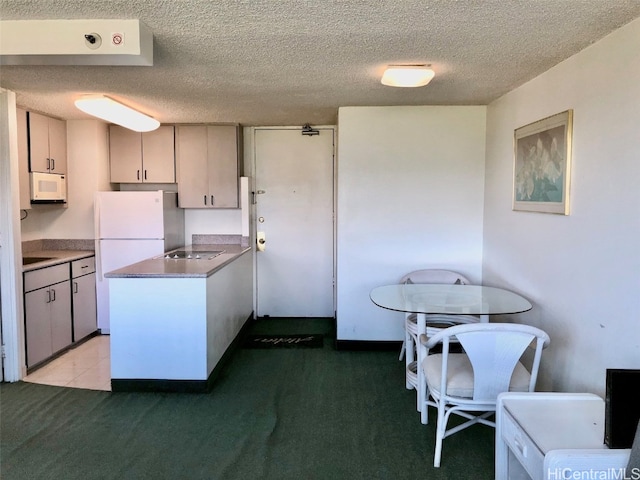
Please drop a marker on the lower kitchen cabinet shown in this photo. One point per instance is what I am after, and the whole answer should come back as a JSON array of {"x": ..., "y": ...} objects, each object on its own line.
[
  {"x": 47, "y": 308},
  {"x": 59, "y": 307},
  {"x": 84, "y": 297}
]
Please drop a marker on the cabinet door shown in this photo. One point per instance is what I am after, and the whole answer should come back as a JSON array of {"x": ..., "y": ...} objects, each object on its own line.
[
  {"x": 84, "y": 306},
  {"x": 192, "y": 166},
  {"x": 57, "y": 146},
  {"x": 60, "y": 315},
  {"x": 37, "y": 325},
  {"x": 47, "y": 144},
  {"x": 158, "y": 156},
  {"x": 125, "y": 155},
  {"x": 223, "y": 165},
  {"x": 38, "y": 142}
]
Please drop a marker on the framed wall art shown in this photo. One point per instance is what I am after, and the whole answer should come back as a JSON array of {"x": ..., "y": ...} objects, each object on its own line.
[{"x": 542, "y": 165}]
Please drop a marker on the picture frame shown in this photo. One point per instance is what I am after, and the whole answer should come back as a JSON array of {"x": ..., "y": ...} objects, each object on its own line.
[{"x": 542, "y": 165}]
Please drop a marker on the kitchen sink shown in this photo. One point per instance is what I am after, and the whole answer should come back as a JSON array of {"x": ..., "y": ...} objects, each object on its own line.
[{"x": 30, "y": 260}]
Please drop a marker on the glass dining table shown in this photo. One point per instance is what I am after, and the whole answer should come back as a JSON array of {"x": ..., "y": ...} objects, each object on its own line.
[
  {"x": 425, "y": 299},
  {"x": 437, "y": 299}
]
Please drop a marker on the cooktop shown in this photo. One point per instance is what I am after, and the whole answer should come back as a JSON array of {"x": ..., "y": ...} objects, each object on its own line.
[{"x": 192, "y": 255}]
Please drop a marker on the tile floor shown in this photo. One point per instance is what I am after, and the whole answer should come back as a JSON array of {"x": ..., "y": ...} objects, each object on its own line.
[{"x": 86, "y": 366}]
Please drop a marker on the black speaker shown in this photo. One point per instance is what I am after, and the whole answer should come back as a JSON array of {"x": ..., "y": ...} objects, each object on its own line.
[{"x": 622, "y": 407}]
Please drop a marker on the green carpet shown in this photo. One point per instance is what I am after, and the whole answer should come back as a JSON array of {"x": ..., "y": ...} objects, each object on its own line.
[{"x": 272, "y": 414}]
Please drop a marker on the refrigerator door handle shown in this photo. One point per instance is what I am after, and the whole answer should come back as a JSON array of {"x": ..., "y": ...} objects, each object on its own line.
[
  {"x": 97, "y": 236},
  {"x": 99, "y": 262}
]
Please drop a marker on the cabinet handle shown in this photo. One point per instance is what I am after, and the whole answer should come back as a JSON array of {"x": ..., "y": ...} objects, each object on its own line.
[
  {"x": 137, "y": 174},
  {"x": 54, "y": 294},
  {"x": 48, "y": 296},
  {"x": 212, "y": 200},
  {"x": 145, "y": 173},
  {"x": 205, "y": 199},
  {"x": 522, "y": 449},
  {"x": 75, "y": 287},
  {"x": 53, "y": 164},
  {"x": 48, "y": 164}
]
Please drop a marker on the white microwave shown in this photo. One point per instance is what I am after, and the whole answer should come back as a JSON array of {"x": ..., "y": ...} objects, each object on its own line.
[{"x": 48, "y": 188}]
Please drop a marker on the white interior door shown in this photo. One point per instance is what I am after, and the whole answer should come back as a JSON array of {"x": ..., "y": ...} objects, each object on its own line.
[{"x": 294, "y": 214}]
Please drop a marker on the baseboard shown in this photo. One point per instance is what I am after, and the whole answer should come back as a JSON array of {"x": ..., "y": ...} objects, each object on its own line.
[
  {"x": 153, "y": 385},
  {"x": 380, "y": 345}
]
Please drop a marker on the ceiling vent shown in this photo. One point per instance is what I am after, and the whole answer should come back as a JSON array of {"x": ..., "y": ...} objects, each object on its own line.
[{"x": 75, "y": 42}]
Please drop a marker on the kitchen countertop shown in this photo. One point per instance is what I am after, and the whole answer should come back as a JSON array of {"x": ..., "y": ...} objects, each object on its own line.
[
  {"x": 159, "y": 267},
  {"x": 55, "y": 257}
]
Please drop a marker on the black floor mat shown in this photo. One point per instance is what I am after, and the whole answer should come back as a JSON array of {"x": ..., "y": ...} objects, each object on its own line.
[{"x": 283, "y": 341}]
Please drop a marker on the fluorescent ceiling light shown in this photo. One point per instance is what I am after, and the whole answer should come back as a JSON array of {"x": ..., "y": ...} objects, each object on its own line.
[
  {"x": 407, "y": 76},
  {"x": 111, "y": 111}
]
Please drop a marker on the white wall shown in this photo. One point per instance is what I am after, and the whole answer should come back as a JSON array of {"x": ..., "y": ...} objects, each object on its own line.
[
  {"x": 220, "y": 222},
  {"x": 87, "y": 172},
  {"x": 581, "y": 272},
  {"x": 410, "y": 195}
]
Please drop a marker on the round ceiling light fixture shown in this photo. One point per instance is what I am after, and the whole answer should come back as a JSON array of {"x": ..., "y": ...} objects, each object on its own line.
[{"x": 407, "y": 75}]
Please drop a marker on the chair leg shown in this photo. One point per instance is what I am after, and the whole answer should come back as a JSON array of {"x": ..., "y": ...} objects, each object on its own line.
[
  {"x": 441, "y": 428},
  {"x": 409, "y": 355},
  {"x": 423, "y": 396},
  {"x": 402, "y": 350}
]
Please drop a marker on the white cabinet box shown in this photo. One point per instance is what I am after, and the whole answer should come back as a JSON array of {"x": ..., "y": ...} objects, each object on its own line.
[{"x": 553, "y": 436}]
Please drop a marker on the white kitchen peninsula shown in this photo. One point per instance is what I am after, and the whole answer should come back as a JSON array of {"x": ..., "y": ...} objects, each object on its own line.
[{"x": 172, "y": 320}]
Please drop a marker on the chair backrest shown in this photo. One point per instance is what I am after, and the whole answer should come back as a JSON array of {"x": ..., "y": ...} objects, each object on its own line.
[
  {"x": 433, "y": 275},
  {"x": 494, "y": 350}
]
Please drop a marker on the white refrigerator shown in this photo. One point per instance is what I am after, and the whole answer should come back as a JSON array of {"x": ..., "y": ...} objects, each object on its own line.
[{"x": 131, "y": 226}]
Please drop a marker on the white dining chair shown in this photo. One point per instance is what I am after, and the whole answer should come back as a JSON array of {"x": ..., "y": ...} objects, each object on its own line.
[
  {"x": 434, "y": 323},
  {"x": 468, "y": 383}
]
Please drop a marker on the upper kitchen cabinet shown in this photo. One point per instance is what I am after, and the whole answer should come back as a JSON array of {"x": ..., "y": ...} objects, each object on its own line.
[
  {"x": 147, "y": 157},
  {"x": 47, "y": 144},
  {"x": 208, "y": 159}
]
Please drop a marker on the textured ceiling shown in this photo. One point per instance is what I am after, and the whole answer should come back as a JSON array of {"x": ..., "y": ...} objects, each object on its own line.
[{"x": 289, "y": 62}]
